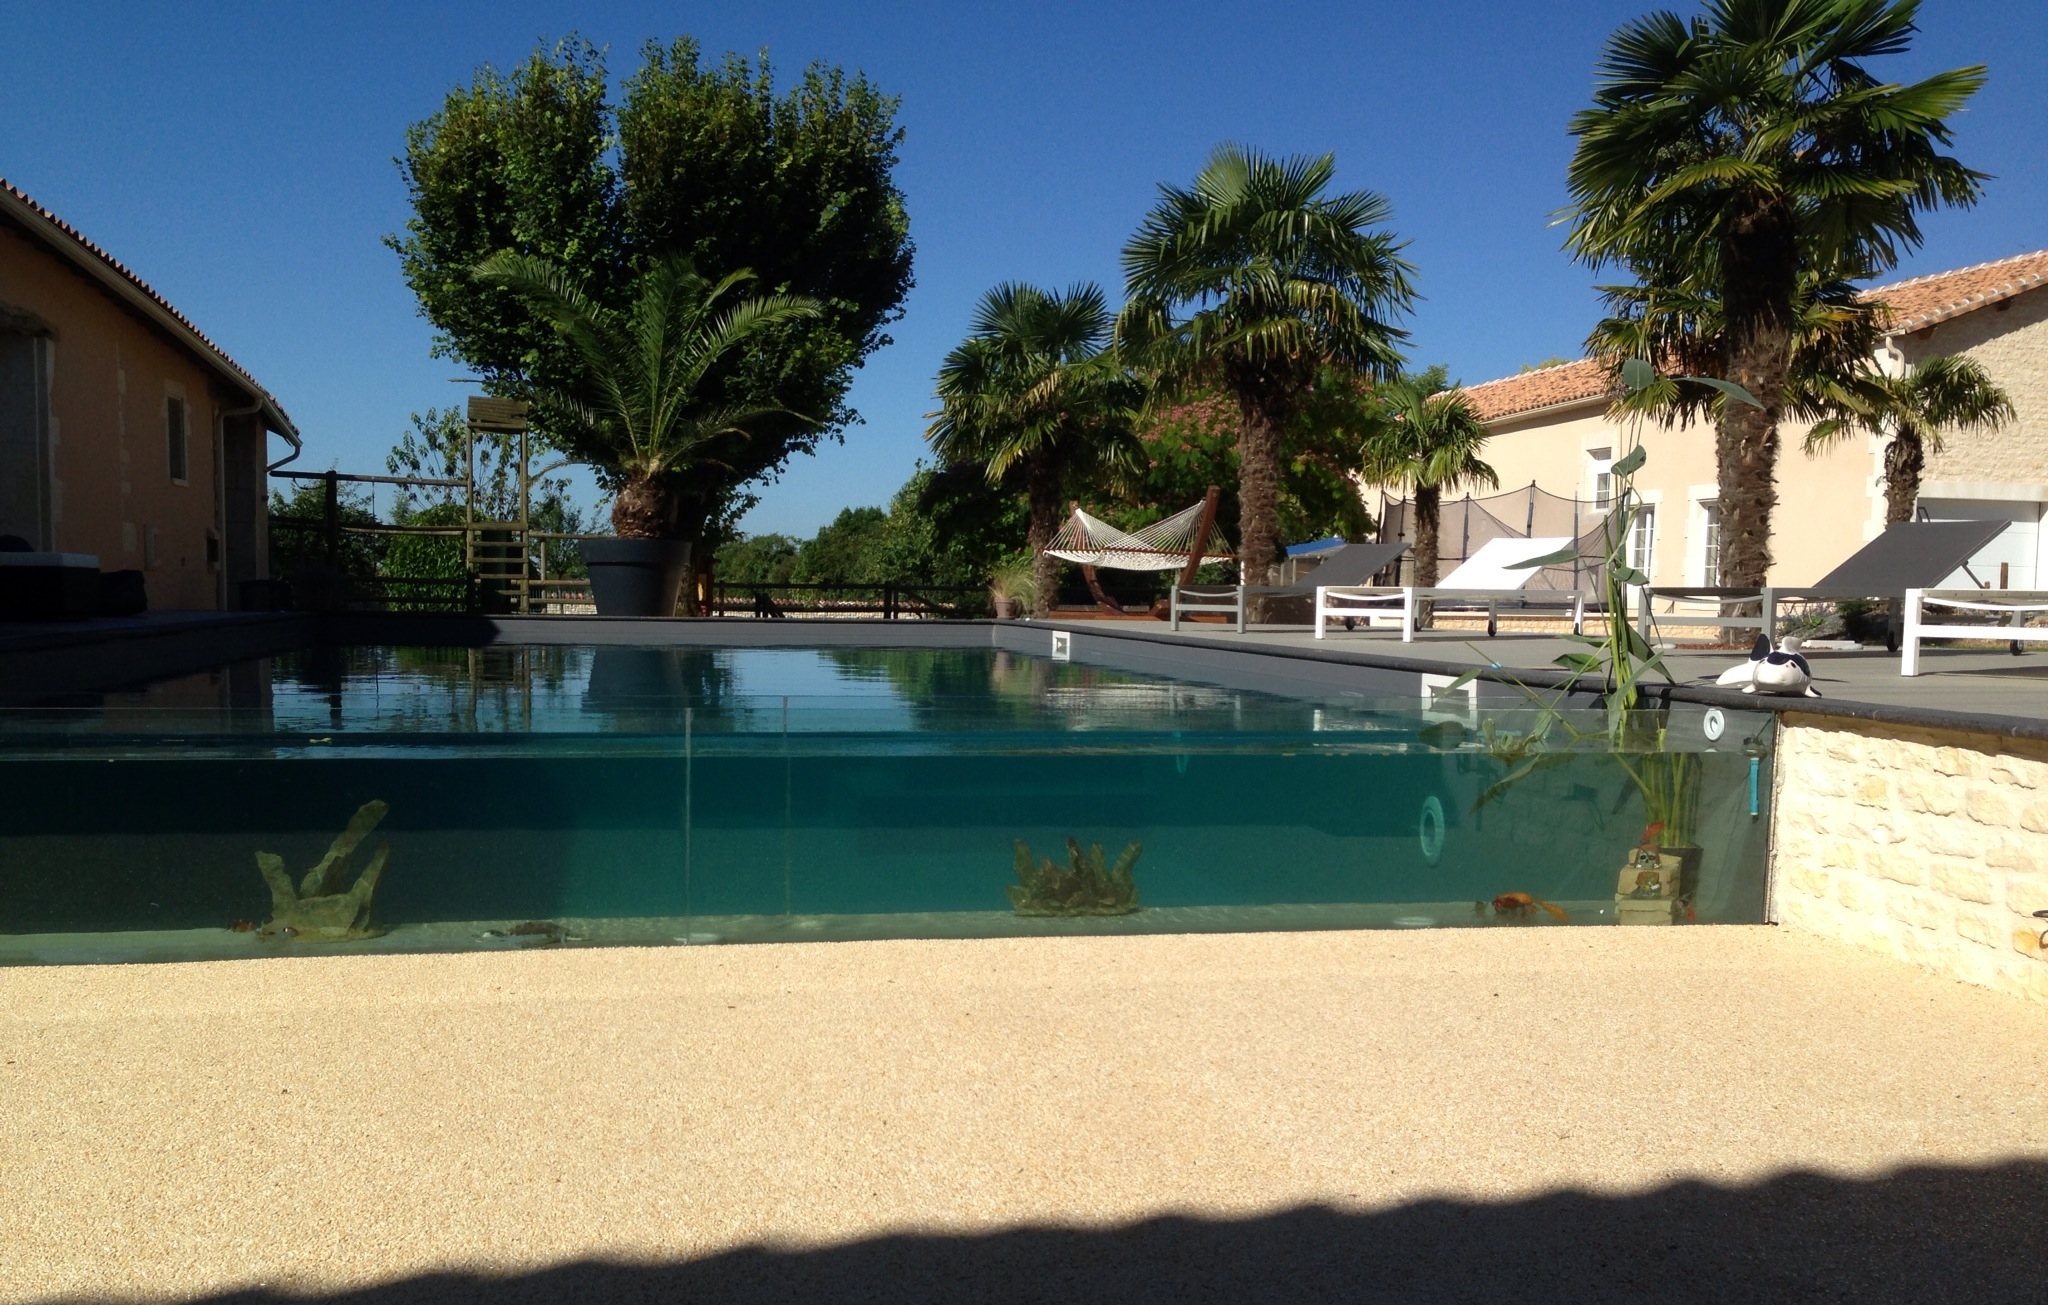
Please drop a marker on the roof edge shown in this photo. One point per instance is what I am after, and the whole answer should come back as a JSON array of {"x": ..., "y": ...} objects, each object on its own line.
[{"x": 72, "y": 245}]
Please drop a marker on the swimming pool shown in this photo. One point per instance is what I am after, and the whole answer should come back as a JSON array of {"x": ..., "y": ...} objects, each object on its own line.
[{"x": 514, "y": 796}]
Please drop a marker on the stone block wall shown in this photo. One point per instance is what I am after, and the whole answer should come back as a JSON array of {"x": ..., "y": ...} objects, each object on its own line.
[{"x": 1929, "y": 846}]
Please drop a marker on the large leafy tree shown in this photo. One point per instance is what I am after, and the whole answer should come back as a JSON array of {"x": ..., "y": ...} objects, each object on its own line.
[
  {"x": 704, "y": 160},
  {"x": 1252, "y": 281},
  {"x": 1731, "y": 159},
  {"x": 639, "y": 397},
  {"x": 1036, "y": 398},
  {"x": 1429, "y": 441},
  {"x": 1912, "y": 413}
]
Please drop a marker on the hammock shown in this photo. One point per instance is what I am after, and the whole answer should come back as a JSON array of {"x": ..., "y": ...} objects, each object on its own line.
[{"x": 1161, "y": 546}]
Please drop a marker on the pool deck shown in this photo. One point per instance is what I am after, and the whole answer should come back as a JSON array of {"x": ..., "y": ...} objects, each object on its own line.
[
  {"x": 1988, "y": 688},
  {"x": 1525, "y": 1114}
]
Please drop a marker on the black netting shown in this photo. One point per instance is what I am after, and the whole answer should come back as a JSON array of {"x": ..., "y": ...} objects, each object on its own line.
[{"x": 1465, "y": 524}]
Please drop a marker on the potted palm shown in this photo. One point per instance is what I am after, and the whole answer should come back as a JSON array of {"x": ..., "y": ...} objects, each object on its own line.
[{"x": 638, "y": 407}]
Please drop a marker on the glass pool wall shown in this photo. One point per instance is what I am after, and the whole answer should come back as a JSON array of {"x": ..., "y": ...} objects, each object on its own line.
[{"x": 658, "y": 797}]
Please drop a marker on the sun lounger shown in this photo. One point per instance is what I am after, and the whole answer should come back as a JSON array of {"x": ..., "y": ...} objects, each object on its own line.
[
  {"x": 2008, "y": 610},
  {"x": 1910, "y": 555},
  {"x": 1353, "y": 564},
  {"x": 1491, "y": 578}
]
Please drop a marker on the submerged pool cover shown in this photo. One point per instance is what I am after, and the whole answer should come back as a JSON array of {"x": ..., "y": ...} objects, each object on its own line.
[{"x": 406, "y": 799}]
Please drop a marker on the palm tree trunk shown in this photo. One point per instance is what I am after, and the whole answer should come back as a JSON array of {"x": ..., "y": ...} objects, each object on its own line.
[
  {"x": 1428, "y": 519},
  {"x": 1042, "y": 487},
  {"x": 1258, "y": 490},
  {"x": 1904, "y": 459},
  {"x": 1760, "y": 276},
  {"x": 643, "y": 508}
]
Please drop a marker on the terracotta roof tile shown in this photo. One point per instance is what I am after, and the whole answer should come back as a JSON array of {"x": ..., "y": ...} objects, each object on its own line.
[
  {"x": 1915, "y": 304},
  {"x": 1926, "y": 300},
  {"x": 72, "y": 241},
  {"x": 1544, "y": 388}
]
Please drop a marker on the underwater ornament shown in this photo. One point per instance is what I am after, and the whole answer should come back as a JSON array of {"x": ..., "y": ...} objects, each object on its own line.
[
  {"x": 316, "y": 910},
  {"x": 1087, "y": 886}
]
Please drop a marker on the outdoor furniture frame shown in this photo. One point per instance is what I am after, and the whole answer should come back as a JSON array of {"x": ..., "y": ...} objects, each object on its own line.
[
  {"x": 1349, "y": 602},
  {"x": 1908, "y": 555},
  {"x": 2011, "y": 606},
  {"x": 1359, "y": 560}
]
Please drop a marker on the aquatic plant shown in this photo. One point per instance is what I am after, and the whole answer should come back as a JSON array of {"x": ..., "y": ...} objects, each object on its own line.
[
  {"x": 1619, "y": 660},
  {"x": 319, "y": 909},
  {"x": 1084, "y": 886}
]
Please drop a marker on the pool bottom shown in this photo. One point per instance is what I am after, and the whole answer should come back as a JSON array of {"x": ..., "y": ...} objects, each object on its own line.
[{"x": 178, "y": 945}]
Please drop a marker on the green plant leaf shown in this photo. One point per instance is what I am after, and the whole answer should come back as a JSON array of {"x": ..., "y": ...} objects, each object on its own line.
[
  {"x": 1637, "y": 374},
  {"x": 1632, "y": 462},
  {"x": 1444, "y": 736},
  {"x": 1628, "y": 575},
  {"x": 1559, "y": 558},
  {"x": 1729, "y": 388}
]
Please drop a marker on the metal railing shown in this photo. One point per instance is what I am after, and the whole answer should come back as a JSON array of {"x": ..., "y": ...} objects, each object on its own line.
[{"x": 900, "y": 600}]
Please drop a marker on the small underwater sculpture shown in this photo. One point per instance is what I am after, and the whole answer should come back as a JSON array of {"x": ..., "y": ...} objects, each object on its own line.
[
  {"x": 1521, "y": 906},
  {"x": 318, "y": 910},
  {"x": 529, "y": 933},
  {"x": 1782, "y": 672},
  {"x": 1085, "y": 886}
]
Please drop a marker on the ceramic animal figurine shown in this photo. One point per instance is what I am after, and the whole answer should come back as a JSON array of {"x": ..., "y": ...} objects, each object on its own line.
[{"x": 1782, "y": 672}]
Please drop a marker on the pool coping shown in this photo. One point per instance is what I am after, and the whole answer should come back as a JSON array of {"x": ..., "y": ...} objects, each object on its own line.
[{"x": 108, "y": 654}]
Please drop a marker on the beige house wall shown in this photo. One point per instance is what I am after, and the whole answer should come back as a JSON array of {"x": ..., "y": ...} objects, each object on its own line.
[
  {"x": 1829, "y": 505},
  {"x": 1832, "y": 503},
  {"x": 109, "y": 374}
]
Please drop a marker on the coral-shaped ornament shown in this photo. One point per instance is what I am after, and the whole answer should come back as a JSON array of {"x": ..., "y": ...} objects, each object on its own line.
[{"x": 318, "y": 909}]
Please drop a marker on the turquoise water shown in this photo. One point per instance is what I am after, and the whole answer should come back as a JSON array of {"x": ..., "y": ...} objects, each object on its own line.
[{"x": 663, "y": 795}]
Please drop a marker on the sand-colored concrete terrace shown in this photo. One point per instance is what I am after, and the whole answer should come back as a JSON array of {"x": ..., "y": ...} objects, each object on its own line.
[{"x": 1502, "y": 1114}]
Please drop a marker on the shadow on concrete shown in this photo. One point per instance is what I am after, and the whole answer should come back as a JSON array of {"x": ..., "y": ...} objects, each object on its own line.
[{"x": 1921, "y": 1235}]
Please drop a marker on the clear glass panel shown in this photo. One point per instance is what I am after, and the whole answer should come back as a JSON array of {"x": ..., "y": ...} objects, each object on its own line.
[{"x": 511, "y": 797}]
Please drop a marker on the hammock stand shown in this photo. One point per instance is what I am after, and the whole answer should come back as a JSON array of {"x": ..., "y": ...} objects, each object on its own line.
[{"x": 1174, "y": 543}]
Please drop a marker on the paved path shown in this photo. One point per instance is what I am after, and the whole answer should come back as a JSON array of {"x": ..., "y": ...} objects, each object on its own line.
[{"x": 1534, "y": 1114}]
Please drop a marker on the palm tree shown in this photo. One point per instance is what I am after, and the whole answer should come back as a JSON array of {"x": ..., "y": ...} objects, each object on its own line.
[
  {"x": 1252, "y": 280},
  {"x": 1912, "y": 412},
  {"x": 1726, "y": 157},
  {"x": 1035, "y": 396},
  {"x": 638, "y": 411},
  {"x": 1429, "y": 441}
]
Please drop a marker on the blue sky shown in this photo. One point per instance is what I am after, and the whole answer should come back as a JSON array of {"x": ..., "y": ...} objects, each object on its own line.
[{"x": 238, "y": 157}]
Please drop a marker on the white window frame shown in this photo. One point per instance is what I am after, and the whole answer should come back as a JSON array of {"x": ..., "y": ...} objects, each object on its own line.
[
  {"x": 1600, "y": 477},
  {"x": 1704, "y": 500}
]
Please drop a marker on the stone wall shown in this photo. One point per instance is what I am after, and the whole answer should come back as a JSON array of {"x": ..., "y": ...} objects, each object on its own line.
[
  {"x": 1931, "y": 847},
  {"x": 2010, "y": 341}
]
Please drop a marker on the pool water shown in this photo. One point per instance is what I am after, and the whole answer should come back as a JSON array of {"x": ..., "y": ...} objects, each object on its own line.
[{"x": 561, "y": 796}]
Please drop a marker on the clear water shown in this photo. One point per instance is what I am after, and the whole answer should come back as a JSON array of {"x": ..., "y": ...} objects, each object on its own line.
[{"x": 631, "y": 795}]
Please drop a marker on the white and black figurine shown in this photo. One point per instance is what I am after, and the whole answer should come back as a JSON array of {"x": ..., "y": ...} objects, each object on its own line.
[{"x": 1782, "y": 672}]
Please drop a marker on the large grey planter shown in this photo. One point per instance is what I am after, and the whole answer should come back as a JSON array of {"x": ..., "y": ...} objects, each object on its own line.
[{"x": 636, "y": 577}]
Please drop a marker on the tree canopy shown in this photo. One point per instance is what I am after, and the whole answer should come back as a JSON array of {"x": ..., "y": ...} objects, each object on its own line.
[
  {"x": 703, "y": 160},
  {"x": 1249, "y": 283},
  {"x": 1738, "y": 160}
]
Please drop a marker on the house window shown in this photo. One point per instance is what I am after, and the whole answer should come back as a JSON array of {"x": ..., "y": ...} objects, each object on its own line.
[
  {"x": 1642, "y": 539},
  {"x": 1603, "y": 477},
  {"x": 177, "y": 435},
  {"x": 1710, "y": 564}
]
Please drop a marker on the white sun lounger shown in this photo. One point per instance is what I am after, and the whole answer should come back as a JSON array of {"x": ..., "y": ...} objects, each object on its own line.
[
  {"x": 1488, "y": 578},
  {"x": 2007, "y": 608}
]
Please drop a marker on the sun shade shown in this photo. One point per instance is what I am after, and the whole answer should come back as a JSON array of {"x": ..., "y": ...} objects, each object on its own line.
[
  {"x": 1353, "y": 564},
  {"x": 1910, "y": 555},
  {"x": 1493, "y": 566}
]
